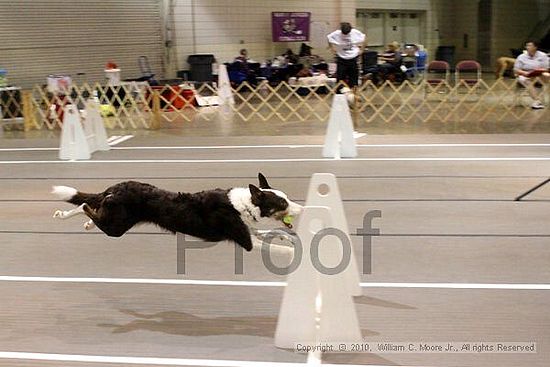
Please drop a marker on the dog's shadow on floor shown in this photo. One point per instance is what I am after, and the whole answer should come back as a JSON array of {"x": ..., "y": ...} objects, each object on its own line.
[
  {"x": 183, "y": 323},
  {"x": 373, "y": 301}
]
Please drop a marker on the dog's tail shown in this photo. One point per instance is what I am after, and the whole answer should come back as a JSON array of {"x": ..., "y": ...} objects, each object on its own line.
[{"x": 73, "y": 196}]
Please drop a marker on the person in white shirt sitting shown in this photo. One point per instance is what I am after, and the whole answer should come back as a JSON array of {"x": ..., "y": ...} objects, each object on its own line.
[
  {"x": 347, "y": 43},
  {"x": 529, "y": 66}
]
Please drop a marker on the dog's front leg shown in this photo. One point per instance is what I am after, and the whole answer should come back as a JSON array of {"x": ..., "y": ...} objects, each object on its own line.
[
  {"x": 270, "y": 234},
  {"x": 64, "y": 214},
  {"x": 89, "y": 225},
  {"x": 258, "y": 233}
]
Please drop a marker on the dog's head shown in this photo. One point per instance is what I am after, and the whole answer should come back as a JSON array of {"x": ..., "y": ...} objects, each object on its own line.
[{"x": 271, "y": 203}]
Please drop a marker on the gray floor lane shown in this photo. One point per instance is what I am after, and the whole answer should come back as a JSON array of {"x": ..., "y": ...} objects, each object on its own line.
[
  {"x": 398, "y": 218},
  {"x": 274, "y": 152},
  {"x": 389, "y": 259},
  {"x": 89, "y": 169},
  {"x": 351, "y": 188},
  {"x": 213, "y": 323}
]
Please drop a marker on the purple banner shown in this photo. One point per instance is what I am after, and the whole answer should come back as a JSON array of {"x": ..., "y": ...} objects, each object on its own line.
[{"x": 290, "y": 27}]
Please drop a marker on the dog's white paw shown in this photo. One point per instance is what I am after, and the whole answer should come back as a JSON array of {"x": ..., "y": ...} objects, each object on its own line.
[
  {"x": 89, "y": 225},
  {"x": 58, "y": 214}
]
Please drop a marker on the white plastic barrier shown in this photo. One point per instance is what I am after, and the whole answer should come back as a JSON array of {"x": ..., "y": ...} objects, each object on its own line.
[
  {"x": 318, "y": 307},
  {"x": 324, "y": 191},
  {"x": 224, "y": 87},
  {"x": 81, "y": 137},
  {"x": 339, "y": 139}
]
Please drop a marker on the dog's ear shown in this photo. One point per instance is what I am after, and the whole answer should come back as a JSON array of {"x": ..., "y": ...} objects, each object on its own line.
[
  {"x": 263, "y": 181},
  {"x": 256, "y": 192}
]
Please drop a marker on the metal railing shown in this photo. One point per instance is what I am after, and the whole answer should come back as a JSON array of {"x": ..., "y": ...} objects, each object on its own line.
[{"x": 138, "y": 105}]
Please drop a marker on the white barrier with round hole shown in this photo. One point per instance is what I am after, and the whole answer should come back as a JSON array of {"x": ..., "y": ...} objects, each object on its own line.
[
  {"x": 324, "y": 191},
  {"x": 318, "y": 307}
]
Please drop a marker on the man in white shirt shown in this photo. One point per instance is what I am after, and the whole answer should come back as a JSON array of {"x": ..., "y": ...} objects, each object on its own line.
[
  {"x": 528, "y": 67},
  {"x": 347, "y": 43}
]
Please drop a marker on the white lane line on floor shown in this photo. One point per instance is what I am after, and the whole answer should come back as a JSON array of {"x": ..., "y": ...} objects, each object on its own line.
[
  {"x": 27, "y": 149},
  {"x": 286, "y": 146},
  {"x": 112, "y": 137},
  {"x": 112, "y": 141},
  {"x": 157, "y": 360},
  {"x": 120, "y": 139},
  {"x": 243, "y": 283},
  {"x": 283, "y": 160}
]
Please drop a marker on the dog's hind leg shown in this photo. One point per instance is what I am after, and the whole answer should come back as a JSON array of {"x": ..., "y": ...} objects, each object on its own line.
[
  {"x": 106, "y": 224},
  {"x": 270, "y": 234},
  {"x": 64, "y": 214}
]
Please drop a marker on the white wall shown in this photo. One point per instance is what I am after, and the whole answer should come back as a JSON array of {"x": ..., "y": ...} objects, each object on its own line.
[
  {"x": 514, "y": 21},
  {"x": 223, "y": 27},
  {"x": 430, "y": 35},
  {"x": 466, "y": 23}
]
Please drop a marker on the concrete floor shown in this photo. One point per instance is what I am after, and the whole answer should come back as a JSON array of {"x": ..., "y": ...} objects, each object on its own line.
[{"x": 448, "y": 216}]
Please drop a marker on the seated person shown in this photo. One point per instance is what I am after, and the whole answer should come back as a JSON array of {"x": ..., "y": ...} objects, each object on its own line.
[
  {"x": 305, "y": 56},
  {"x": 291, "y": 66},
  {"x": 529, "y": 66},
  {"x": 290, "y": 57},
  {"x": 391, "y": 62},
  {"x": 304, "y": 72},
  {"x": 409, "y": 61},
  {"x": 243, "y": 56},
  {"x": 305, "y": 50},
  {"x": 313, "y": 63},
  {"x": 410, "y": 54},
  {"x": 240, "y": 70}
]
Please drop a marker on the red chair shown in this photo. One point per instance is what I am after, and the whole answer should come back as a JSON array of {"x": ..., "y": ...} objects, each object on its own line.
[
  {"x": 437, "y": 76},
  {"x": 473, "y": 70}
]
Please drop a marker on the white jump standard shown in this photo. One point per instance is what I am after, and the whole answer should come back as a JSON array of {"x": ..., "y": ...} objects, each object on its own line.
[{"x": 81, "y": 137}]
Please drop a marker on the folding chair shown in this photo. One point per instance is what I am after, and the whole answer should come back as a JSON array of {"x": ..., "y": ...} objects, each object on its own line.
[
  {"x": 437, "y": 76},
  {"x": 472, "y": 69}
]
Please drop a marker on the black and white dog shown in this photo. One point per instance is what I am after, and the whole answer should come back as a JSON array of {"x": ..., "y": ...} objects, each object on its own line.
[{"x": 213, "y": 215}]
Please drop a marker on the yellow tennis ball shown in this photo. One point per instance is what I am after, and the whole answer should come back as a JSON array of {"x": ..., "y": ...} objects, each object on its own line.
[
  {"x": 107, "y": 110},
  {"x": 288, "y": 219}
]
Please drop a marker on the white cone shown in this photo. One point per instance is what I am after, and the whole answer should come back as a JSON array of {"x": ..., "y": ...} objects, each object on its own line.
[
  {"x": 73, "y": 139},
  {"x": 339, "y": 140},
  {"x": 333, "y": 200},
  {"x": 315, "y": 307},
  {"x": 224, "y": 89},
  {"x": 94, "y": 128}
]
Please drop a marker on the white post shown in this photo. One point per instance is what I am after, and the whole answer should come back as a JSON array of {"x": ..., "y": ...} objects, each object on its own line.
[
  {"x": 317, "y": 304},
  {"x": 224, "y": 90},
  {"x": 316, "y": 308},
  {"x": 323, "y": 191},
  {"x": 95, "y": 126},
  {"x": 73, "y": 140},
  {"x": 339, "y": 140}
]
